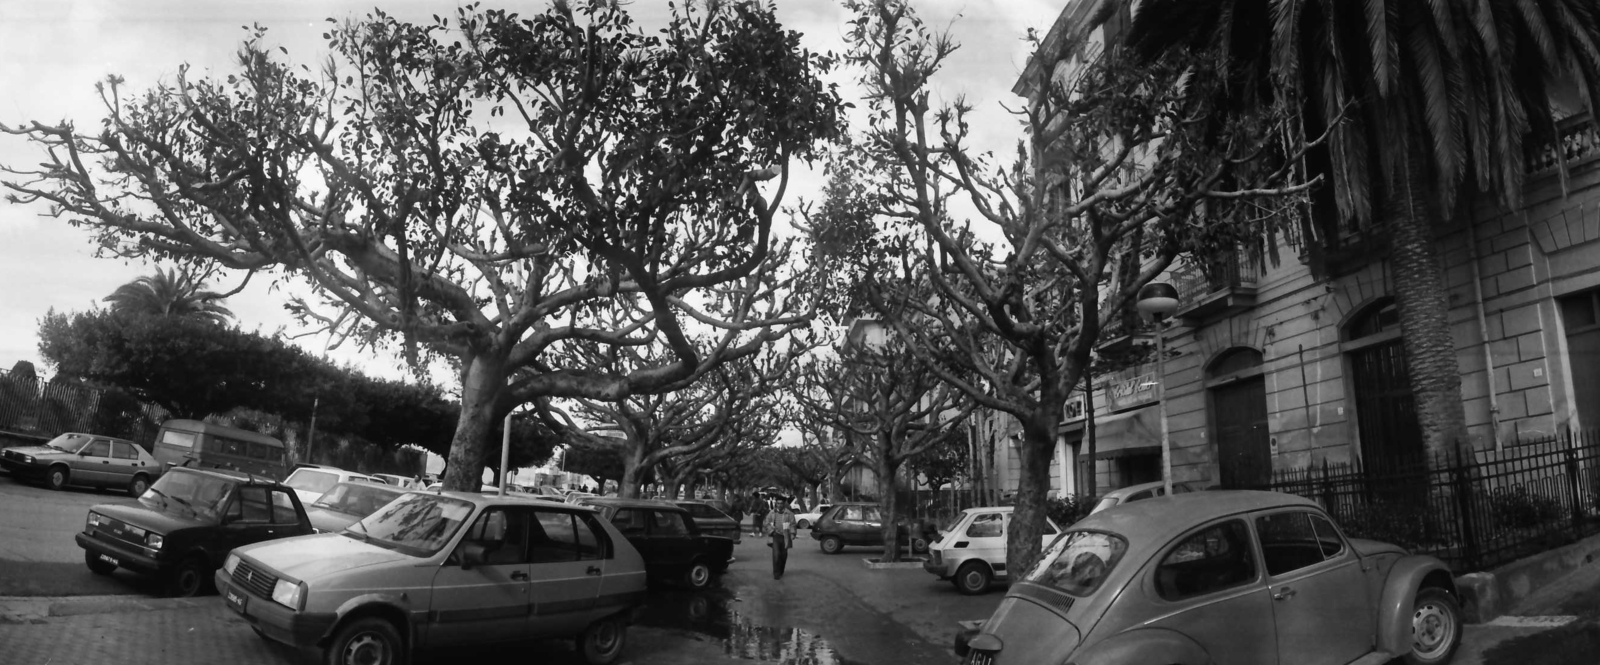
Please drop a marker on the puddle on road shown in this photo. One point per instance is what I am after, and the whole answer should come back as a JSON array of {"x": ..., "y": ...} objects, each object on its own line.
[{"x": 711, "y": 613}]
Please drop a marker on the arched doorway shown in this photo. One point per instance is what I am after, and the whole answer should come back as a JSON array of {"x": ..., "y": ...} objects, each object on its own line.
[
  {"x": 1238, "y": 390},
  {"x": 1386, "y": 412}
]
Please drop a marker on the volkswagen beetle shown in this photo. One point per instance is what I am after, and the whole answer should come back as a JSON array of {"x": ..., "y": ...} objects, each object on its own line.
[{"x": 1220, "y": 577}]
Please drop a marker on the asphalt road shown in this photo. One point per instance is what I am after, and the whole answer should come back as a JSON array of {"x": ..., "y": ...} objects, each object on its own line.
[{"x": 38, "y": 556}]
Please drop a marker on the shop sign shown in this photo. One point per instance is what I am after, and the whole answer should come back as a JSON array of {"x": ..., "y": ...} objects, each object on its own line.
[
  {"x": 1137, "y": 388},
  {"x": 1073, "y": 410}
]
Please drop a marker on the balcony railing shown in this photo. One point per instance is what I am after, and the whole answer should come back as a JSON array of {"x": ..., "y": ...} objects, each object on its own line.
[
  {"x": 1577, "y": 138},
  {"x": 1226, "y": 286}
]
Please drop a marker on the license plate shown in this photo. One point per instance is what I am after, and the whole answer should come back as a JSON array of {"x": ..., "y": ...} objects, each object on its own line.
[
  {"x": 110, "y": 559},
  {"x": 979, "y": 658},
  {"x": 236, "y": 600}
]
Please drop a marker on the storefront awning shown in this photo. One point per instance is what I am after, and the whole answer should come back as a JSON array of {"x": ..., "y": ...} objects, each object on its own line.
[{"x": 1136, "y": 432}]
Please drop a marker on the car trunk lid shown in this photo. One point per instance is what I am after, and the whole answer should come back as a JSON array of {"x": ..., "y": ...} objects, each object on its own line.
[{"x": 1024, "y": 630}]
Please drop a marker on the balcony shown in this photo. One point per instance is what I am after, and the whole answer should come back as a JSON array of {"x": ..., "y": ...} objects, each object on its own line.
[
  {"x": 1577, "y": 139},
  {"x": 1121, "y": 334},
  {"x": 1226, "y": 287}
]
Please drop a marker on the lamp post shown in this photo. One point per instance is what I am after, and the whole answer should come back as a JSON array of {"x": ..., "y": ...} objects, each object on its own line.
[{"x": 1158, "y": 299}]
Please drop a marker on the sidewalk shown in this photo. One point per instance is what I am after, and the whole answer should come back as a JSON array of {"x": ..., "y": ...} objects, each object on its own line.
[{"x": 120, "y": 630}]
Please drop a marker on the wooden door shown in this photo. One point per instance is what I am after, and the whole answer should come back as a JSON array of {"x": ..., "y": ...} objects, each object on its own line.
[
  {"x": 1244, "y": 455},
  {"x": 1390, "y": 435}
]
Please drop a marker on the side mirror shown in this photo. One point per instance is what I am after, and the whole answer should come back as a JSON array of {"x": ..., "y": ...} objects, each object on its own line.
[{"x": 473, "y": 553}]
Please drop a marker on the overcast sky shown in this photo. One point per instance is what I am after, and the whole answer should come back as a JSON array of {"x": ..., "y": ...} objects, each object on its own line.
[{"x": 53, "y": 51}]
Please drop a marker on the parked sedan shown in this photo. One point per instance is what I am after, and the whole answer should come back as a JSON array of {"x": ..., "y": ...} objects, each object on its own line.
[
  {"x": 669, "y": 540},
  {"x": 348, "y": 502},
  {"x": 87, "y": 460},
  {"x": 442, "y": 570},
  {"x": 310, "y": 481},
  {"x": 806, "y": 519},
  {"x": 862, "y": 524},
  {"x": 712, "y": 521},
  {"x": 1221, "y": 577},
  {"x": 186, "y": 523}
]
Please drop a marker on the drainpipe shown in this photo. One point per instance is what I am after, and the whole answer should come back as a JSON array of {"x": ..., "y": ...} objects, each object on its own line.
[{"x": 1483, "y": 334}]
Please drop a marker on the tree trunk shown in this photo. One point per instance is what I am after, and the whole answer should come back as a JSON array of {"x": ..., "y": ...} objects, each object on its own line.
[
  {"x": 628, "y": 486},
  {"x": 886, "y": 501},
  {"x": 1424, "y": 310},
  {"x": 482, "y": 380},
  {"x": 1027, "y": 526}
]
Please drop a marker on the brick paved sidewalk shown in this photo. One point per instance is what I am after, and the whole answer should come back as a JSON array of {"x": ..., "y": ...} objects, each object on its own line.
[{"x": 132, "y": 631}]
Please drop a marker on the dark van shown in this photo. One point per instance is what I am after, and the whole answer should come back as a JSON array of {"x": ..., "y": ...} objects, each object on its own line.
[{"x": 202, "y": 445}]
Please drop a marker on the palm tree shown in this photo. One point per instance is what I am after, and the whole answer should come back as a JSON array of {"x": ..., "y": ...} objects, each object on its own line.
[
  {"x": 168, "y": 294},
  {"x": 1427, "y": 99}
]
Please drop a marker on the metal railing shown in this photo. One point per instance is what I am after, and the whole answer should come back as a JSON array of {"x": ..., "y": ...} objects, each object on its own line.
[
  {"x": 1474, "y": 514},
  {"x": 1231, "y": 271}
]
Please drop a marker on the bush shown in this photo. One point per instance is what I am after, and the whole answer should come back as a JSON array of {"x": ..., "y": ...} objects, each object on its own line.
[
  {"x": 1068, "y": 509},
  {"x": 1517, "y": 507},
  {"x": 1411, "y": 525}
]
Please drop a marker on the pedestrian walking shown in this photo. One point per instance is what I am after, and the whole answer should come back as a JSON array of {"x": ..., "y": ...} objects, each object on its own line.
[
  {"x": 779, "y": 527},
  {"x": 758, "y": 516}
]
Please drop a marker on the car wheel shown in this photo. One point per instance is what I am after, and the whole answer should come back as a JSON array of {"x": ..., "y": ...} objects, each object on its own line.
[
  {"x": 368, "y": 641},
  {"x": 972, "y": 578},
  {"x": 602, "y": 642},
  {"x": 802, "y": 524},
  {"x": 56, "y": 479},
  {"x": 98, "y": 565},
  {"x": 698, "y": 576},
  {"x": 919, "y": 545},
  {"x": 138, "y": 486},
  {"x": 188, "y": 580},
  {"x": 1435, "y": 627},
  {"x": 831, "y": 544}
]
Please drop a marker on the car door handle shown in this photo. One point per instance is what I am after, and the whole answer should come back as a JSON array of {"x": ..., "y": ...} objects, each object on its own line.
[
  {"x": 520, "y": 576},
  {"x": 593, "y": 570},
  {"x": 1283, "y": 593}
]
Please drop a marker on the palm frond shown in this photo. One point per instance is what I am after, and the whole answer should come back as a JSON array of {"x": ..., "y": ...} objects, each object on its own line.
[{"x": 1382, "y": 46}]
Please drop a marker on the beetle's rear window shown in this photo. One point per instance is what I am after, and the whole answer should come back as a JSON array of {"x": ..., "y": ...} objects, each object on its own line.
[{"x": 1079, "y": 562}]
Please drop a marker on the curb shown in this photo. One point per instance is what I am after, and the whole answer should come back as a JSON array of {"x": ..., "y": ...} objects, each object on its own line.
[
  {"x": 1487, "y": 595},
  {"x": 875, "y": 565},
  {"x": 22, "y": 609}
]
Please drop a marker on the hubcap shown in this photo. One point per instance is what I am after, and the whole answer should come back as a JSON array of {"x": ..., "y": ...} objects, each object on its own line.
[
  {"x": 974, "y": 580},
  {"x": 699, "y": 575},
  {"x": 604, "y": 637},
  {"x": 365, "y": 649},
  {"x": 1432, "y": 630}
]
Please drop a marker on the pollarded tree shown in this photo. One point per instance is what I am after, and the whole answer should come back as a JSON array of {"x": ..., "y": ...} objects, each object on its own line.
[
  {"x": 1108, "y": 151},
  {"x": 894, "y": 405},
  {"x": 482, "y": 188},
  {"x": 724, "y": 405}
]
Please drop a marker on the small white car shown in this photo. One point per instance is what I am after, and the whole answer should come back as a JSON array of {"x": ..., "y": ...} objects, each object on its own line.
[
  {"x": 311, "y": 481},
  {"x": 972, "y": 552},
  {"x": 1138, "y": 492},
  {"x": 806, "y": 519}
]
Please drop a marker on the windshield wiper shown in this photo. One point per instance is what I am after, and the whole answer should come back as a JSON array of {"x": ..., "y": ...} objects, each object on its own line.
[
  {"x": 362, "y": 536},
  {"x": 161, "y": 494}
]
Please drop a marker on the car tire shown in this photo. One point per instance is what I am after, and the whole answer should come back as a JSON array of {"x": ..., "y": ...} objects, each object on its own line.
[
  {"x": 1435, "y": 627},
  {"x": 972, "y": 578},
  {"x": 56, "y": 478},
  {"x": 832, "y": 545},
  {"x": 97, "y": 565},
  {"x": 368, "y": 640},
  {"x": 698, "y": 576},
  {"x": 802, "y": 524},
  {"x": 188, "y": 579},
  {"x": 138, "y": 485},
  {"x": 603, "y": 641}
]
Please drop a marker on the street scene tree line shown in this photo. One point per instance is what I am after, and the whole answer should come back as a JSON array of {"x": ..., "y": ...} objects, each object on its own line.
[{"x": 592, "y": 224}]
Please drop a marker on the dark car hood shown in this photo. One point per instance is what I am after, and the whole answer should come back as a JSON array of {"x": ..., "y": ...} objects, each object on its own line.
[
  {"x": 152, "y": 520},
  {"x": 38, "y": 451}
]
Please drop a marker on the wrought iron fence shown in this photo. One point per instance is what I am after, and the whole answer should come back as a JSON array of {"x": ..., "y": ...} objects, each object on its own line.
[
  {"x": 1474, "y": 513},
  {"x": 32, "y": 406}
]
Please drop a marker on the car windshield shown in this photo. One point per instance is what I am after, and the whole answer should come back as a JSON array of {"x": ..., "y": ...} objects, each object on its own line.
[
  {"x": 311, "y": 480},
  {"x": 1104, "y": 504},
  {"x": 1079, "y": 562},
  {"x": 359, "y": 499},
  {"x": 416, "y": 524},
  {"x": 69, "y": 442},
  {"x": 198, "y": 493}
]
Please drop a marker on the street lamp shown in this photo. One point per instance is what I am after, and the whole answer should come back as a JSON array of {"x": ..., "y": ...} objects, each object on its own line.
[{"x": 1158, "y": 299}]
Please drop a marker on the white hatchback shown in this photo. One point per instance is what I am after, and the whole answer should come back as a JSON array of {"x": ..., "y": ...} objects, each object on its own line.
[
  {"x": 310, "y": 482},
  {"x": 972, "y": 552}
]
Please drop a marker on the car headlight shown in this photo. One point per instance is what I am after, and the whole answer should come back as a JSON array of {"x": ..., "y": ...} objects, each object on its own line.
[
  {"x": 289, "y": 594},
  {"x": 154, "y": 541},
  {"x": 95, "y": 519},
  {"x": 27, "y": 459},
  {"x": 230, "y": 563}
]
